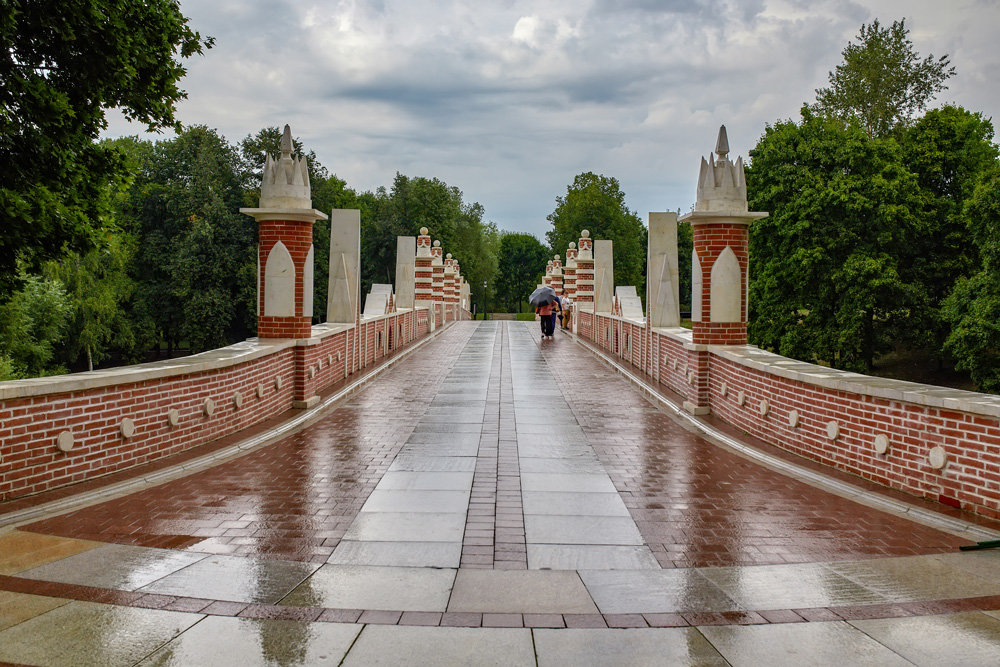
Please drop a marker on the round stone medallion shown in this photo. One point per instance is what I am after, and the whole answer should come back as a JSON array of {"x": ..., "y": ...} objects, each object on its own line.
[
  {"x": 724, "y": 389},
  {"x": 793, "y": 418},
  {"x": 127, "y": 428},
  {"x": 764, "y": 408},
  {"x": 832, "y": 430},
  {"x": 260, "y": 391},
  {"x": 173, "y": 417},
  {"x": 237, "y": 400},
  {"x": 277, "y": 382},
  {"x": 741, "y": 398},
  {"x": 64, "y": 441},
  {"x": 881, "y": 443},
  {"x": 208, "y": 407},
  {"x": 937, "y": 457}
]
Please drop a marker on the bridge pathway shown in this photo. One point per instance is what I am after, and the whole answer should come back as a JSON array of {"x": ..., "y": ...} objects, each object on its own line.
[{"x": 494, "y": 480}]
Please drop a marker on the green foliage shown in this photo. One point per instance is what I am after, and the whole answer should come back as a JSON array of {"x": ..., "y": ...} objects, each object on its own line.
[
  {"x": 521, "y": 265},
  {"x": 685, "y": 248},
  {"x": 196, "y": 256},
  {"x": 61, "y": 67},
  {"x": 973, "y": 308},
  {"x": 882, "y": 82},
  {"x": 32, "y": 322},
  {"x": 98, "y": 287},
  {"x": 948, "y": 149},
  {"x": 597, "y": 203},
  {"x": 415, "y": 202},
  {"x": 826, "y": 282}
]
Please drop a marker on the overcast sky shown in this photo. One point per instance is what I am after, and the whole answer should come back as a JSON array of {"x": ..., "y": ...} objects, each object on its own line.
[{"x": 509, "y": 100}]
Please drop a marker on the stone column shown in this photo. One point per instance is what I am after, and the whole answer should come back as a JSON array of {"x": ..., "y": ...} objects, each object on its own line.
[
  {"x": 285, "y": 220},
  {"x": 423, "y": 271},
  {"x": 585, "y": 272},
  {"x": 556, "y": 281},
  {"x": 406, "y": 251},
  {"x": 720, "y": 223},
  {"x": 437, "y": 273},
  {"x": 604, "y": 276},
  {"x": 344, "y": 293},
  {"x": 569, "y": 272},
  {"x": 662, "y": 281}
]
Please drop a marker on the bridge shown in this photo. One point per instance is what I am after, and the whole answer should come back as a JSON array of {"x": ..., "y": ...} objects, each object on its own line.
[{"x": 403, "y": 484}]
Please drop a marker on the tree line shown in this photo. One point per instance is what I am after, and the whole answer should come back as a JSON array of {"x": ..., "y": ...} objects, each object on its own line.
[{"x": 884, "y": 228}]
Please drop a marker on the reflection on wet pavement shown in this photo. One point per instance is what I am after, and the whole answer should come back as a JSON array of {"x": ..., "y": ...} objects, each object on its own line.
[{"x": 522, "y": 500}]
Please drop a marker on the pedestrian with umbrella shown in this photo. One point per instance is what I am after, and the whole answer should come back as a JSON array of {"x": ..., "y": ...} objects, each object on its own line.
[{"x": 546, "y": 302}]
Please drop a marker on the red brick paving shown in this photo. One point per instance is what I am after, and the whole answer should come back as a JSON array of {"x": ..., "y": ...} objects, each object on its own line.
[
  {"x": 697, "y": 504},
  {"x": 293, "y": 500}
]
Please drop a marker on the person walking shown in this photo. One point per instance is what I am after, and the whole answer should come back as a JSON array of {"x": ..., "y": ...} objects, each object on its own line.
[
  {"x": 547, "y": 313},
  {"x": 567, "y": 310}
]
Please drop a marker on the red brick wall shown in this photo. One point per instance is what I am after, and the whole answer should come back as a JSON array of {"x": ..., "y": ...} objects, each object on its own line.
[
  {"x": 709, "y": 242},
  {"x": 703, "y": 376},
  {"x": 30, "y": 462},
  {"x": 297, "y": 237}
]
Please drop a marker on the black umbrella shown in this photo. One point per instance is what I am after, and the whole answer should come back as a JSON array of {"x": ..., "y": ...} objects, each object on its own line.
[{"x": 542, "y": 296}]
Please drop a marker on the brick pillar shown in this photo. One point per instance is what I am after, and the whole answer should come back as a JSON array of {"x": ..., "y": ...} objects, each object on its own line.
[
  {"x": 585, "y": 272},
  {"x": 450, "y": 292},
  {"x": 556, "y": 282},
  {"x": 437, "y": 273},
  {"x": 423, "y": 271},
  {"x": 285, "y": 220},
  {"x": 569, "y": 272},
  {"x": 720, "y": 222}
]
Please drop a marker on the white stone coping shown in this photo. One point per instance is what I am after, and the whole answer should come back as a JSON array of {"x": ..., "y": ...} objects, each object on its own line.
[
  {"x": 858, "y": 383},
  {"x": 846, "y": 381},
  {"x": 385, "y": 316},
  {"x": 224, "y": 357}
]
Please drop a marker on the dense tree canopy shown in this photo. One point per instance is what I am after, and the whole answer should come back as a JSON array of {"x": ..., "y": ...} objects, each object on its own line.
[
  {"x": 61, "y": 68},
  {"x": 597, "y": 203},
  {"x": 521, "y": 264},
  {"x": 973, "y": 308},
  {"x": 882, "y": 81},
  {"x": 826, "y": 282}
]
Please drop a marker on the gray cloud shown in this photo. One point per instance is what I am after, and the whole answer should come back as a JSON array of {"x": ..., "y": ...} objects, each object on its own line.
[{"x": 509, "y": 100}]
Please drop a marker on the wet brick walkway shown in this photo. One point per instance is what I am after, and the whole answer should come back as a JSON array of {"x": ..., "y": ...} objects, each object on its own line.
[
  {"x": 492, "y": 499},
  {"x": 694, "y": 503}
]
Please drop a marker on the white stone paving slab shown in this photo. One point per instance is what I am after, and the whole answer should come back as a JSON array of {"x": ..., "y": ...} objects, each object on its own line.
[
  {"x": 400, "y": 554},
  {"x": 542, "y": 529},
  {"x": 654, "y": 647},
  {"x": 569, "y": 482},
  {"x": 406, "y": 527},
  {"x": 590, "y": 557},
  {"x": 573, "y": 504},
  {"x": 648, "y": 591},
  {"x": 372, "y": 587},
  {"x": 403, "y": 645},
  {"x": 411, "y": 500},
  {"x": 431, "y": 481}
]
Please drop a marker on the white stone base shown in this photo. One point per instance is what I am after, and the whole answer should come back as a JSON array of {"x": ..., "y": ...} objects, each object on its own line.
[
  {"x": 696, "y": 409},
  {"x": 310, "y": 402}
]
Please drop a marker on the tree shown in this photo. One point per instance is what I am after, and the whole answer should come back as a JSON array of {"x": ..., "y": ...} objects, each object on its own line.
[
  {"x": 418, "y": 202},
  {"x": 98, "y": 288},
  {"x": 196, "y": 261},
  {"x": 826, "y": 282},
  {"x": 882, "y": 82},
  {"x": 597, "y": 203},
  {"x": 32, "y": 323},
  {"x": 521, "y": 264},
  {"x": 949, "y": 150},
  {"x": 973, "y": 308},
  {"x": 60, "y": 69}
]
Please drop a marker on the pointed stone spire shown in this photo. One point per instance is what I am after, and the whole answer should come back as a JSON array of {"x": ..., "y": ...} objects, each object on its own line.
[
  {"x": 285, "y": 184},
  {"x": 722, "y": 145},
  {"x": 286, "y": 142}
]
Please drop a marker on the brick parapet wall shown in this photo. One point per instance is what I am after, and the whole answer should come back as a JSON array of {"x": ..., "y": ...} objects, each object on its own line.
[
  {"x": 246, "y": 383},
  {"x": 763, "y": 394}
]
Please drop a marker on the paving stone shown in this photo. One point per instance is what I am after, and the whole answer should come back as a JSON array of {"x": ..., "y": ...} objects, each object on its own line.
[
  {"x": 367, "y": 587},
  {"x": 85, "y": 633},
  {"x": 650, "y": 646},
  {"x": 536, "y": 592},
  {"x": 957, "y": 639},
  {"x": 649, "y": 591},
  {"x": 115, "y": 566},
  {"x": 834, "y": 644},
  {"x": 220, "y": 640},
  {"x": 234, "y": 579},
  {"x": 442, "y": 646},
  {"x": 789, "y": 586},
  {"x": 18, "y": 607},
  {"x": 21, "y": 550},
  {"x": 401, "y": 554}
]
